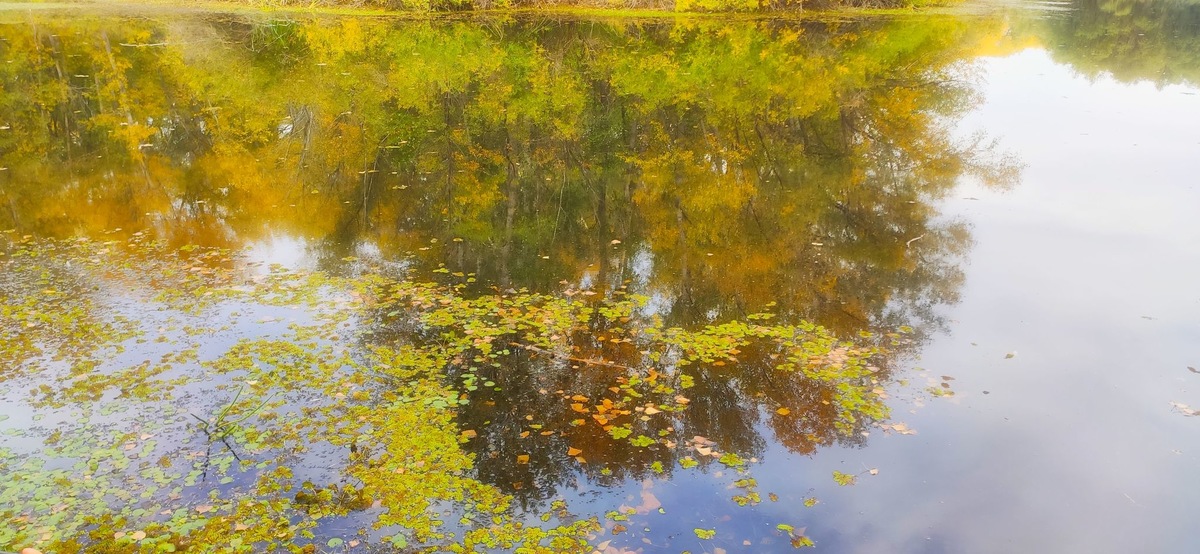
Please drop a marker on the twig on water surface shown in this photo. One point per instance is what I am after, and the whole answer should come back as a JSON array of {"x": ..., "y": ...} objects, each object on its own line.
[{"x": 553, "y": 354}]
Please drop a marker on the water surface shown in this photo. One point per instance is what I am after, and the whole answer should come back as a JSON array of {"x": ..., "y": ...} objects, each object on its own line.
[{"x": 1007, "y": 194}]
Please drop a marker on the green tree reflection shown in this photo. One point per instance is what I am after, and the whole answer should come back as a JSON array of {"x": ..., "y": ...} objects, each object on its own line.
[
  {"x": 1133, "y": 40},
  {"x": 718, "y": 168}
]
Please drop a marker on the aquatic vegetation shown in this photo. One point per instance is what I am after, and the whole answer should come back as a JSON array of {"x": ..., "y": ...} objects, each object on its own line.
[
  {"x": 164, "y": 390},
  {"x": 184, "y": 400}
]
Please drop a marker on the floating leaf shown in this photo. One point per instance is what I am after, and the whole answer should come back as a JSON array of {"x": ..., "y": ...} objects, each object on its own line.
[{"x": 802, "y": 541}]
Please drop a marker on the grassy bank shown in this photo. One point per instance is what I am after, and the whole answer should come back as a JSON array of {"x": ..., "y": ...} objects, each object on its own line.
[
  {"x": 603, "y": 5},
  {"x": 579, "y": 7}
]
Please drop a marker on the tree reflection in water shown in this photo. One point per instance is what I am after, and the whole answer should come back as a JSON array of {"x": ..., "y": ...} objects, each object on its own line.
[{"x": 717, "y": 168}]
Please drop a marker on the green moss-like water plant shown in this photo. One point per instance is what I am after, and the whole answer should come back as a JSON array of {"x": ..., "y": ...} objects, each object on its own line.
[{"x": 167, "y": 400}]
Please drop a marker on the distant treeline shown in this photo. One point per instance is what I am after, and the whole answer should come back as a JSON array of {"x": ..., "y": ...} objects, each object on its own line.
[{"x": 663, "y": 5}]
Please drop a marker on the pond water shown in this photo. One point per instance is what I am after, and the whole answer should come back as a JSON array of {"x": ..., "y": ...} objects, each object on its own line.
[{"x": 876, "y": 284}]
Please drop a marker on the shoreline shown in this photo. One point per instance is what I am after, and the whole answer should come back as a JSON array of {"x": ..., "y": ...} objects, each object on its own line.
[{"x": 556, "y": 10}]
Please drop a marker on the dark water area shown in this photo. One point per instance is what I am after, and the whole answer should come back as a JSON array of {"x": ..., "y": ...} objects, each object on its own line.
[{"x": 1008, "y": 193}]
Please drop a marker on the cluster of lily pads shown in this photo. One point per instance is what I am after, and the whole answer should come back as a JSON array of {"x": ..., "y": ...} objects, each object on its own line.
[{"x": 187, "y": 399}]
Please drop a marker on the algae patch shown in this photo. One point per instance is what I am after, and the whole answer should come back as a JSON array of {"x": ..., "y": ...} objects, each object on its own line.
[{"x": 185, "y": 399}]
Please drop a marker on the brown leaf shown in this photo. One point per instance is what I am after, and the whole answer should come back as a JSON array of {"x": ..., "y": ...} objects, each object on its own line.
[{"x": 572, "y": 451}]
